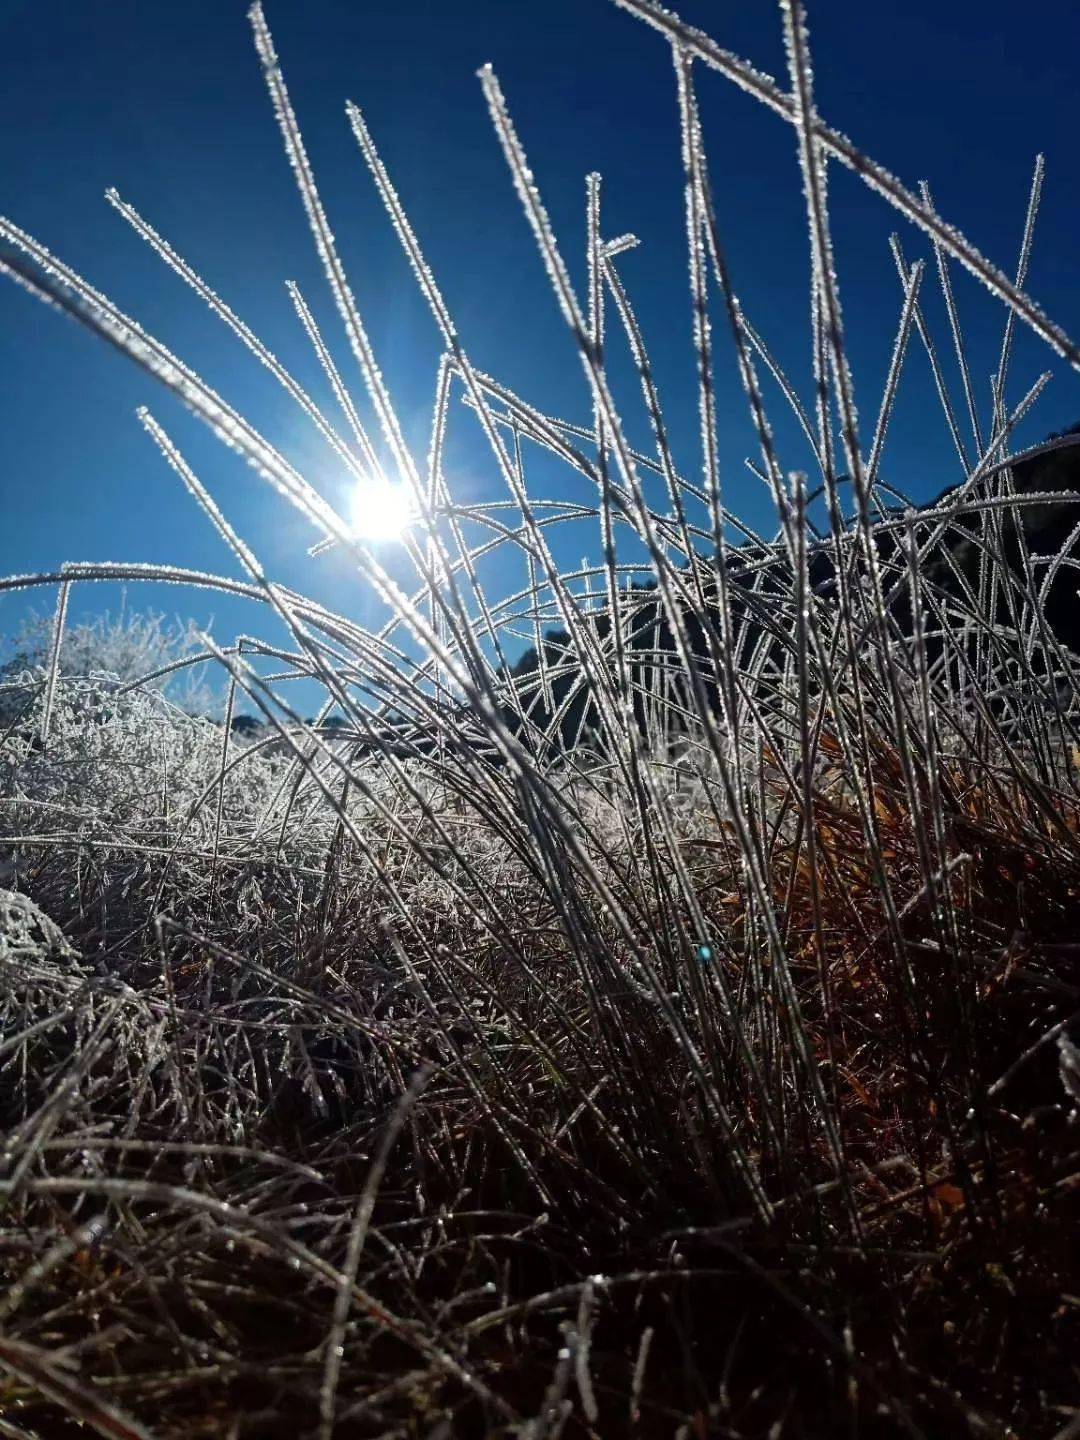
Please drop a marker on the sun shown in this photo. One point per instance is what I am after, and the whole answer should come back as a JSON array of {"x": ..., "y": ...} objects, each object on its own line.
[{"x": 380, "y": 510}]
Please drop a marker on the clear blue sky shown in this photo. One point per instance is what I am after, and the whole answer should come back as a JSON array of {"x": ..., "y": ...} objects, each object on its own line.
[{"x": 166, "y": 102}]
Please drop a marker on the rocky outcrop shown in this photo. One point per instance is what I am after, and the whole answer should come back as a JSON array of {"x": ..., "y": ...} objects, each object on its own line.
[{"x": 761, "y": 586}]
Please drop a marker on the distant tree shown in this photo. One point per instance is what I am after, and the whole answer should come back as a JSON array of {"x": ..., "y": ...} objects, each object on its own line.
[{"x": 246, "y": 727}]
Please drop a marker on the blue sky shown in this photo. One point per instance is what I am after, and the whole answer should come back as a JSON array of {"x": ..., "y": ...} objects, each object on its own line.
[{"x": 166, "y": 102}]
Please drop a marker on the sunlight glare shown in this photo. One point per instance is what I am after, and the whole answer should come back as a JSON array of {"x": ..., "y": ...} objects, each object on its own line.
[{"x": 380, "y": 511}]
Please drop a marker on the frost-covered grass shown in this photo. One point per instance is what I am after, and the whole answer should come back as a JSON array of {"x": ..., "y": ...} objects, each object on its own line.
[{"x": 415, "y": 1075}]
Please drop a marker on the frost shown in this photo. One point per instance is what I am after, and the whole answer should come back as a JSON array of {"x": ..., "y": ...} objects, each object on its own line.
[{"x": 511, "y": 916}]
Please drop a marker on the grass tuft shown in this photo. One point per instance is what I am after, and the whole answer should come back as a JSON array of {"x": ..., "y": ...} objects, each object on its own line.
[{"x": 671, "y": 1031}]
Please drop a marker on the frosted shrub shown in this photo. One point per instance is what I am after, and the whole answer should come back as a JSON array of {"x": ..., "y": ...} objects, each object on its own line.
[{"x": 128, "y": 647}]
